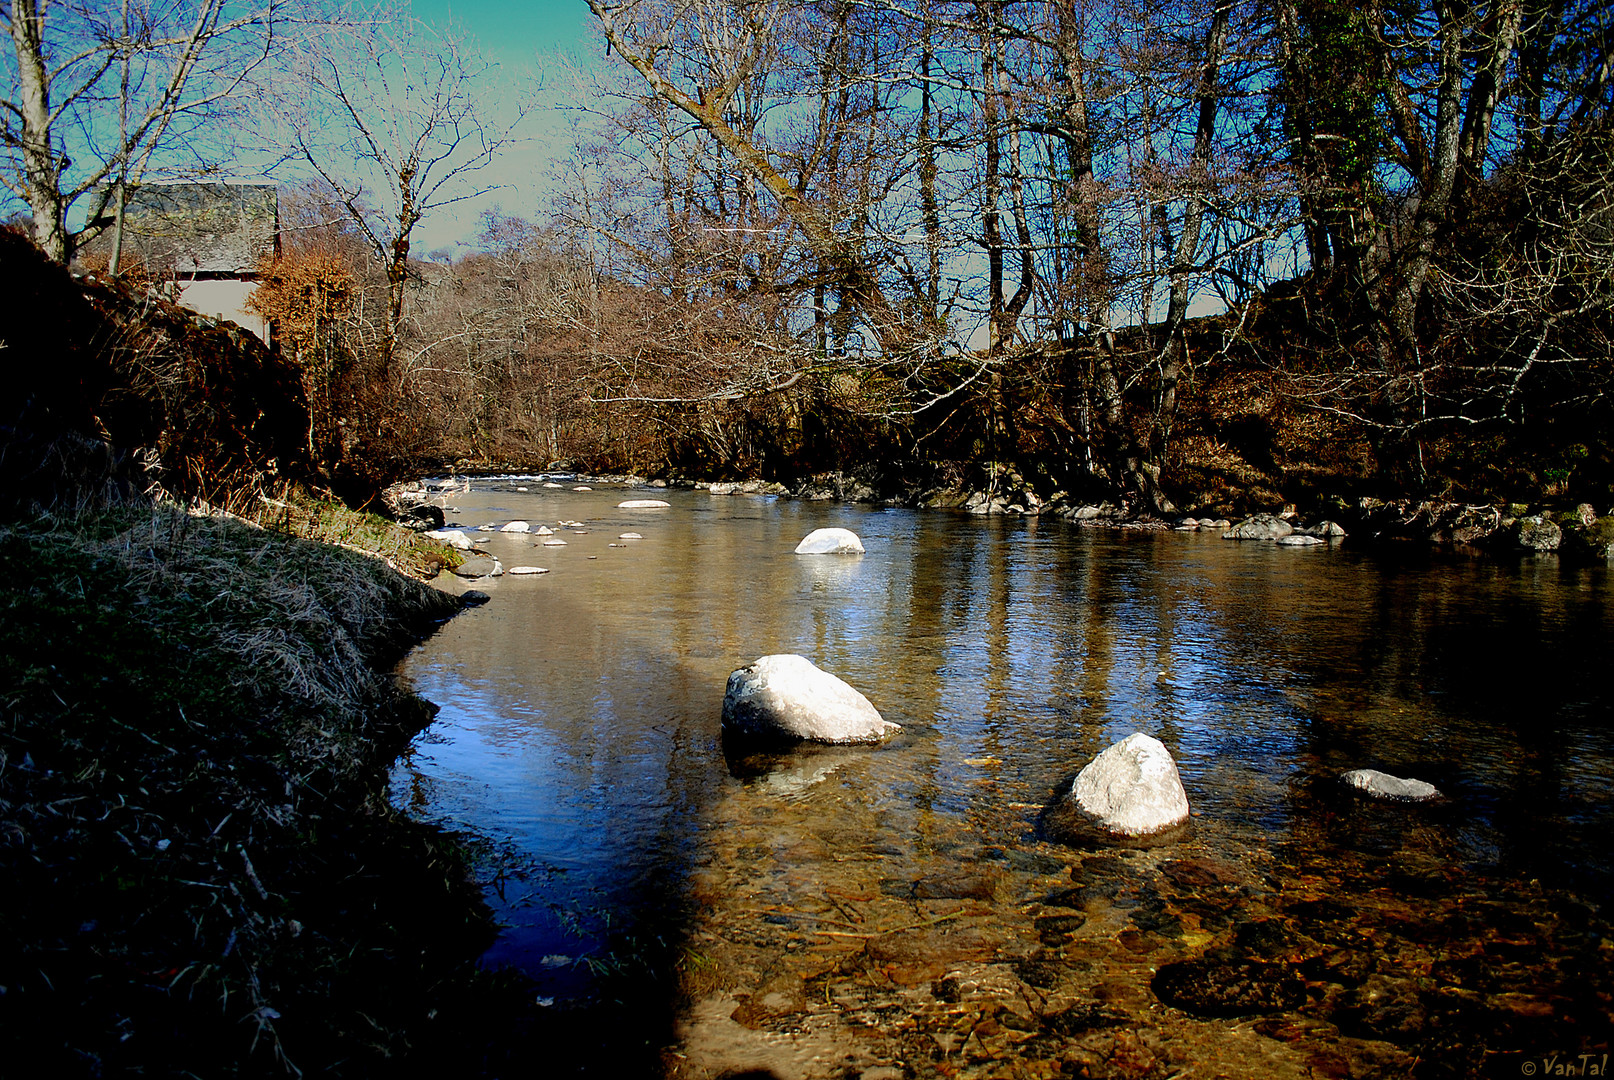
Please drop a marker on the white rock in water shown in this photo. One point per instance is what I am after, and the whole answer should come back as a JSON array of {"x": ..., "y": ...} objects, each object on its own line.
[
  {"x": 545, "y": 530},
  {"x": 630, "y": 536},
  {"x": 1297, "y": 540},
  {"x": 641, "y": 504},
  {"x": 582, "y": 487},
  {"x": 515, "y": 527},
  {"x": 554, "y": 542},
  {"x": 830, "y": 542},
  {"x": 553, "y": 486},
  {"x": 528, "y": 570},
  {"x": 785, "y": 697},
  {"x": 1132, "y": 788},
  {"x": 1385, "y": 786},
  {"x": 454, "y": 538}
]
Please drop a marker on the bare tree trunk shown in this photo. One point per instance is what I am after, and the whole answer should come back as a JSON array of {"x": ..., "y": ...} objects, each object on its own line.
[
  {"x": 42, "y": 165},
  {"x": 929, "y": 206},
  {"x": 1172, "y": 356}
]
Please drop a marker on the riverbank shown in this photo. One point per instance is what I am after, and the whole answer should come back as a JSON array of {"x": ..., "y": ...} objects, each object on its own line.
[
  {"x": 203, "y": 874},
  {"x": 1578, "y": 532}
]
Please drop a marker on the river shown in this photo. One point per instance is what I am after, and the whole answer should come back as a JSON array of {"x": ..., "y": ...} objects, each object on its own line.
[{"x": 909, "y": 910}]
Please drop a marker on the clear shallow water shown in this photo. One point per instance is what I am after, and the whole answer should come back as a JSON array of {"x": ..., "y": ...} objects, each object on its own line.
[{"x": 579, "y": 730}]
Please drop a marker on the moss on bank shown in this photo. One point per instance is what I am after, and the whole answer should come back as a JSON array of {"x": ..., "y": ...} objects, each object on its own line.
[{"x": 203, "y": 876}]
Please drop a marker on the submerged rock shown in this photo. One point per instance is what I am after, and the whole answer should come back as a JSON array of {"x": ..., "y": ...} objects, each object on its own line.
[
  {"x": 1132, "y": 788},
  {"x": 1259, "y": 527},
  {"x": 830, "y": 542},
  {"x": 787, "y": 698},
  {"x": 1385, "y": 786},
  {"x": 1297, "y": 540},
  {"x": 641, "y": 504},
  {"x": 1238, "y": 987}
]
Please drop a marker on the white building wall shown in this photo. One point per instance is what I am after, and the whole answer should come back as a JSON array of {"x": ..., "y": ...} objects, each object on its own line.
[{"x": 225, "y": 300}]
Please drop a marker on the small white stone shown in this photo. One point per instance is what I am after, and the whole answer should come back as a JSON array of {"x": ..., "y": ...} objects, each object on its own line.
[
  {"x": 554, "y": 541},
  {"x": 641, "y": 504},
  {"x": 629, "y": 536},
  {"x": 582, "y": 487},
  {"x": 528, "y": 570},
  {"x": 515, "y": 527},
  {"x": 544, "y": 530}
]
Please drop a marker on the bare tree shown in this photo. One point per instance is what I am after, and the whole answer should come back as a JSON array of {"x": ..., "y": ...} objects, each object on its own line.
[
  {"x": 101, "y": 96},
  {"x": 394, "y": 117}
]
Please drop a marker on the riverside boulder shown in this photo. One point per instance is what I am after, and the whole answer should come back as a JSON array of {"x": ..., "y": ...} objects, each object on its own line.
[
  {"x": 454, "y": 538},
  {"x": 1259, "y": 527},
  {"x": 1132, "y": 788},
  {"x": 830, "y": 542},
  {"x": 787, "y": 698}
]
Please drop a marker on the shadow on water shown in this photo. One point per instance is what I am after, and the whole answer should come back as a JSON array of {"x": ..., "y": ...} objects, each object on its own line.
[{"x": 675, "y": 904}]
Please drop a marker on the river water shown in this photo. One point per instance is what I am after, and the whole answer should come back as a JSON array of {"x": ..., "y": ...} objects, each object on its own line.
[{"x": 914, "y": 909}]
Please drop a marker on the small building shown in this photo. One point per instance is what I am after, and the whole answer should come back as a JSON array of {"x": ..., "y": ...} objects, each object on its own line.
[{"x": 204, "y": 241}]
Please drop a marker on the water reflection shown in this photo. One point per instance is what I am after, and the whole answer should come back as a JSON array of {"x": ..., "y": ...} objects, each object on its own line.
[{"x": 580, "y": 710}]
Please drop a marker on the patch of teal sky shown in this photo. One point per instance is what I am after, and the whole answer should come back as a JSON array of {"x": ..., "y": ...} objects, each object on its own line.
[{"x": 534, "y": 43}]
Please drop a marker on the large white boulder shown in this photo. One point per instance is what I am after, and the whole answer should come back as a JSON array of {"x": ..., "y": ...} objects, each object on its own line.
[
  {"x": 1384, "y": 786},
  {"x": 1132, "y": 788},
  {"x": 515, "y": 527},
  {"x": 830, "y": 542},
  {"x": 785, "y": 697}
]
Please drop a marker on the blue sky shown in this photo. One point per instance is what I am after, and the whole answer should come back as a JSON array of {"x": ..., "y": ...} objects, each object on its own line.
[{"x": 527, "y": 39}]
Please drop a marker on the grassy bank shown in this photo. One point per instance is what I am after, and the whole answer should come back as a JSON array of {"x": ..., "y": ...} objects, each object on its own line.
[{"x": 203, "y": 876}]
